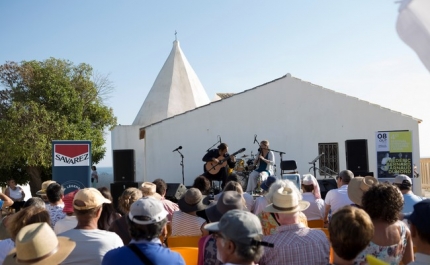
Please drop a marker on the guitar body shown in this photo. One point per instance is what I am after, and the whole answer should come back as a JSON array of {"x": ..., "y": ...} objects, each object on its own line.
[{"x": 213, "y": 167}]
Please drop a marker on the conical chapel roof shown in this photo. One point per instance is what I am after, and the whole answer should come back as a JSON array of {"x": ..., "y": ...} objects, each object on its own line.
[{"x": 176, "y": 89}]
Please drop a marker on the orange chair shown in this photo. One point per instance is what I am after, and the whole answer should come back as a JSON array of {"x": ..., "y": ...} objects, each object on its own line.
[
  {"x": 189, "y": 254},
  {"x": 325, "y": 230},
  {"x": 316, "y": 223},
  {"x": 183, "y": 241}
]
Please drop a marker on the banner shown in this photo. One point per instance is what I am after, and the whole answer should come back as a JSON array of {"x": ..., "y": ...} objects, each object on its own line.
[{"x": 394, "y": 153}]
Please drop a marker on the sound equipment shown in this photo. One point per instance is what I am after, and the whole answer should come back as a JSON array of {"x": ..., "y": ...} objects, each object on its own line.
[
  {"x": 362, "y": 173},
  {"x": 356, "y": 155},
  {"x": 123, "y": 165},
  {"x": 326, "y": 185},
  {"x": 175, "y": 191},
  {"x": 117, "y": 188}
]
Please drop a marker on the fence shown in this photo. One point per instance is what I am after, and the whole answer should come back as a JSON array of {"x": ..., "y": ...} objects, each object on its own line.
[{"x": 425, "y": 173}]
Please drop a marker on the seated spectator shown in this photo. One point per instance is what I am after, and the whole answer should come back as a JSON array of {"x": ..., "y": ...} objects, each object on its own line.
[
  {"x": 337, "y": 198},
  {"x": 261, "y": 202},
  {"x": 55, "y": 194},
  {"x": 235, "y": 186},
  {"x": 169, "y": 206},
  {"x": 238, "y": 235},
  {"x": 146, "y": 221},
  {"x": 311, "y": 194},
  {"x": 91, "y": 243},
  {"x": 120, "y": 226},
  {"x": 69, "y": 221},
  {"x": 149, "y": 189},
  {"x": 16, "y": 194},
  {"x": 203, "y": 184},
  {"x": 42, "y": 191},
  {"x": 26, "y": 216},
  {"x": 358, "y": 186},
  {"x": 37, "y": 244},
  {"x": 391, "y": 241},
  {"x": 34, "y": 201},
  {"x": 294, "y": 242},
  {"x": 404, "y": 183},
  {"x": 420, "y": 231},
  {"x": 351, "y": 230},
  {"x": 108, "y": 211},
  {"x": 185, "y": 222}
]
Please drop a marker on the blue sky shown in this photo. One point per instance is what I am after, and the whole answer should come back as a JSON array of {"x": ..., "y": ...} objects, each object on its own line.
[{"x": 348, "y": 46}]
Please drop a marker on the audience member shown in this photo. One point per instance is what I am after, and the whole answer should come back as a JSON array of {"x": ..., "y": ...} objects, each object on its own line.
[
  {"x": 238, "y": 238},
  {"x": 37, "y": 244},
  {"x": 391, "y": 241},
  {"x": 55, "y": 194},
  {"x": 169, "y": 206},
  {"x": 34, "y": 201},
  {"x": 185, "y": 222},
  {"x": 146, "y": 221},
  {"x": 337, "y": 198},
  {"x": 294, "y": 242},
  {"x": 235, "y": 186},
  {"x": 149, "y": 189},
  {"x": 20, "y": 219},
  {"x": 69, "y": 221},
  {"x": 108, "y": 211},
  {"x": 5, "y": 201},
  {"x": 94, "y": 176},
  {"x": 16, "y": 194},
  {"x": 358, "y": 186},
  {"x": 261, "y": 202},
  {"x": 42, "y": 191},
  {"x": 420, "y": 232},
  {"x": 312, "y": 194},
  {"x": 203, "y": 184},
  {"x": 91, "y": 243},
  {"x": 120, "y": 226},
  {"x": 350, "y": 230},
  {"x": 404, "y": 183}
]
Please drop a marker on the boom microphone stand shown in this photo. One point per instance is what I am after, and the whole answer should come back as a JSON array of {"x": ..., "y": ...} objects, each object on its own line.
[{"x": 182, "y": 165}]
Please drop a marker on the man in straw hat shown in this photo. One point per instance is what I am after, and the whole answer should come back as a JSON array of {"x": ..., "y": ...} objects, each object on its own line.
[
  {"x": 146, "y": 220},
  {"x": 91, "y": 243},
  {"x": 238, "y": 238},
  {"x": 294, "y": 243},
  {"x": 37, "y": 244},
  {"x": 358, "y": 186},
  {"x": 42, "y": 191},
  {"x": 149, "y": 189}
]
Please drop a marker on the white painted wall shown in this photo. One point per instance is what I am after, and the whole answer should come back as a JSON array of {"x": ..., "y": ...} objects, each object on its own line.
[{"x": 292, "y": 114}]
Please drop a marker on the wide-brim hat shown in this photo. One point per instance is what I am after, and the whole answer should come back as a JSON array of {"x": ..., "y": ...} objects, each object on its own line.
[
  {"x": 149, "y": 190},
  {"x": 285, "y": 200},
  {"x": 358, "y": 186},
  {"x": 229, "y": 200},
  {"x": 191, "y": 201},
  {"x": 37, "y": 244},
  {"x": 44, "y": 187}
]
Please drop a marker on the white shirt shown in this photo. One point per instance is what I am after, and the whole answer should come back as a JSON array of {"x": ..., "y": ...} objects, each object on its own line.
[
  {"x": 316, "y": 208},
  {"x": 5, "y": 247},
  {"x": 259, "y": 205},
  {"x": 65, "y": 224},
  {"x": 337, "y": 198}
]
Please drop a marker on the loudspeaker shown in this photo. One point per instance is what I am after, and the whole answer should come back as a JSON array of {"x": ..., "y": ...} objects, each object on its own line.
[
  {"x": 356, "y": 155},
  {"x": 362, "y": 173},
  {"x": 117, "y": 188},
  {"x": 123, "y": 165},
  {"x": 326, "y": 185},
  {"x": 175, "y": 191}
]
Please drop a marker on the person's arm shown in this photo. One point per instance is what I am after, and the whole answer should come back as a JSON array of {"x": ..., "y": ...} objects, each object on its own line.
[
  {"x": 22, "y": 194},
  {"x": 6, "y": 200},
  {"x": 270, "y": 158},
  {"x": 408, "y": 256},
  {"x": 209, "y": 156}
]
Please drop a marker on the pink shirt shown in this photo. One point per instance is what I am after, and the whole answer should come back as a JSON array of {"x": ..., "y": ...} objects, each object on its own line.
[{"x": 170, "y": 207}]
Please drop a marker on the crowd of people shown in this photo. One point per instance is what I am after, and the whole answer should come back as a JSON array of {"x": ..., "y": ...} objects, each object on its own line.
[{"x": 363, "y": 216}]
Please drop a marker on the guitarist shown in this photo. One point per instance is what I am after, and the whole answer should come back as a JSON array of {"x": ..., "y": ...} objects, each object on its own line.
[
  {"x": 265, "y": 162},
  {"x": 216, "y": 155}
]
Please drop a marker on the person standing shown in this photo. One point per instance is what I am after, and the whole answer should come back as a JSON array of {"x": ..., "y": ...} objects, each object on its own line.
[
  {"x": 94, "y": 176},
  {"x": 264, "y": 162},
  {"x": 16, "y": 193},
  {"x": 218, "y": 172}
]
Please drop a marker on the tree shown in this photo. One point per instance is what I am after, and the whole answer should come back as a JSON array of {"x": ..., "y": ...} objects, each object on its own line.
[{"x": 41, "y": 101}]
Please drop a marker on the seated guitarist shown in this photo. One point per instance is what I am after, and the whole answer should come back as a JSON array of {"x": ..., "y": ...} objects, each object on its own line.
[
  {"x": 265, "y": 162},
  {"x": 215, "y": 156}
]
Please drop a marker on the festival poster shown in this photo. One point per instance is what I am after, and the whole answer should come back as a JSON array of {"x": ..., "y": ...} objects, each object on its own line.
[{"x": 394, "y": 153}]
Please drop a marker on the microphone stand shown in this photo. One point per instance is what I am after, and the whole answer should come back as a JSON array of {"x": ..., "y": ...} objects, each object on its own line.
[
  {"x": 314, "y": 161},
  {"x": 219, "y": 141},
  {"x": 280, "y": 155},
  {"x": 182, "y": 165}
]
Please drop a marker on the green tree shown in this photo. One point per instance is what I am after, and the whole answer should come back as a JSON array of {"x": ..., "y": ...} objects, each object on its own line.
[{"x": 41, "y": 101}]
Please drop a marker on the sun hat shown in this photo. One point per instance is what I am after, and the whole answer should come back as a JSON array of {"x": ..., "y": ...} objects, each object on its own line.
[
  {"x": 239, "y": 226},
  {"x": 420, "y": 216},
  {"x": 44, "y": 186},
  {"x": 402, "y": 179},
  {"x": 285, "y": 200},
  {"x": 150, "y": 189},
  {"x": 68, "y": 201},
  {"x": 37, "y": 244},
  {"x": 191, "y": 201},
  {"x": 309, "y": 179},
  {"x": 149, "y": 208},
  {"x": 358, "y": 186},
  {"x": 90, "y": 198},
  {"x": 267, "y": 183},
  {"x": 229, "y": 200}
]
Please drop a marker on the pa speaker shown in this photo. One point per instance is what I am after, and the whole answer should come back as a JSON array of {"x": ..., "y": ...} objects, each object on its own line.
[
  {"x": 123, "y": 165},
  {"x": 326, "y": 185},
  {"x": 117, "y": 188},
  {"x": 175, "y": 191},
  {"x": 356, "y": 155}
]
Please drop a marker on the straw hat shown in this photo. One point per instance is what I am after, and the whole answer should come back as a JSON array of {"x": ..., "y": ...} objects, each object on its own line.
[
  {"x": 358, "y": 186},
  {"x": 45, "y": 185},
  {"x": 191, "y": 201},
  {"x": 37, "y": 244},
  {"x": 285, "y": 200},
  {"x": 150, "y": 189}
]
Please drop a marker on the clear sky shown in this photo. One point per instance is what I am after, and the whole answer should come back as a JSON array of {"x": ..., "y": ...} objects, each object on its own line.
[{"x": 348, "y": 46}]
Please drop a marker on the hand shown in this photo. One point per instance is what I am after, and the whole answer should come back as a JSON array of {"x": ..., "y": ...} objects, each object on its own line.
[
  {"x": 215, "y": 160},
  {"x": 233, "y": 158},
  {"x": 262, "y": 158}
]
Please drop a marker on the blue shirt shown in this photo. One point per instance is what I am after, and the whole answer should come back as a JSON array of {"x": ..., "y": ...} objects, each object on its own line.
[{"x": 410, "y": 200}]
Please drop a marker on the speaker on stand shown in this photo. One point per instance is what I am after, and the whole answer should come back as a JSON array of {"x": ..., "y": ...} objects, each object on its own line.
[{"x": 124, "y": 165}]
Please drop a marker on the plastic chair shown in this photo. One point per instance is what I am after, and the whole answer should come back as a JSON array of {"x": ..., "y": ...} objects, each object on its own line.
[
  {"x": 183, "y": 241},
  {"x": 289, "y": 171},
  {"x": 316, "y": 223},
  {"x": 189, "y": 254}
]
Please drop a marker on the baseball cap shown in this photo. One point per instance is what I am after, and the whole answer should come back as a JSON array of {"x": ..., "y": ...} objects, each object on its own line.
[
  {"x": 149, "y": 208},
  {"x": 90, "y": 197},
  {"x": 420, "y": 216},
  {"x": 402, "y": 179},
  {"x": 240, "y": 226}
]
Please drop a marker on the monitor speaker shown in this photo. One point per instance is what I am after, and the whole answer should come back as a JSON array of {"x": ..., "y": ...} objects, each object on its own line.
[
  {"x": 123, "y": 165},
  {"x": 356, "y": 155},
  {"x": 175, "y": 191},
  {"x": 326, "y": 185},
  {"x": 117, "y": 188}
]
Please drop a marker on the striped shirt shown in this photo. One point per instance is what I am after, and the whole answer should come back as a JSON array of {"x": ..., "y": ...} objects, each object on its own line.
[
  {"x": 184, "y": 224},
  {"x": 296, "y": 245},
  {"x": 170, "y": 207}
]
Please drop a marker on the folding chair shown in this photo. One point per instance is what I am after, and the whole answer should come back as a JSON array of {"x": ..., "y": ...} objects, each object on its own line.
[
  {"x": 189, "y": 254},
  {"x": 289, "y": 171},
  {"x": 183, "y": 241}
]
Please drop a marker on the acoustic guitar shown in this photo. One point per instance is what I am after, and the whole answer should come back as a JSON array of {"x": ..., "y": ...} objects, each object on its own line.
[{"x": 213, "y": 167}]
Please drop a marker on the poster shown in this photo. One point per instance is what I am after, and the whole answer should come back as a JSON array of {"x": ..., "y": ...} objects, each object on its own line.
[{"x": 394, "y": 153}]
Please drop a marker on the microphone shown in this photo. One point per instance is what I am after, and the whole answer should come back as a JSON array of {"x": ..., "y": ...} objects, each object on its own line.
[
  {"x": 180, "y": 147},
  {"x": 255, "y": 139}
]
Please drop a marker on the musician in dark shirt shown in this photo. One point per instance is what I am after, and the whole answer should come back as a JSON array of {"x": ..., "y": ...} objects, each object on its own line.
[{"x": 216, "y": 164}]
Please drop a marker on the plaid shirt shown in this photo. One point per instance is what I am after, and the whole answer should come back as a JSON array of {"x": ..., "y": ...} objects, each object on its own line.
[{"x": 296, "y": 245}]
